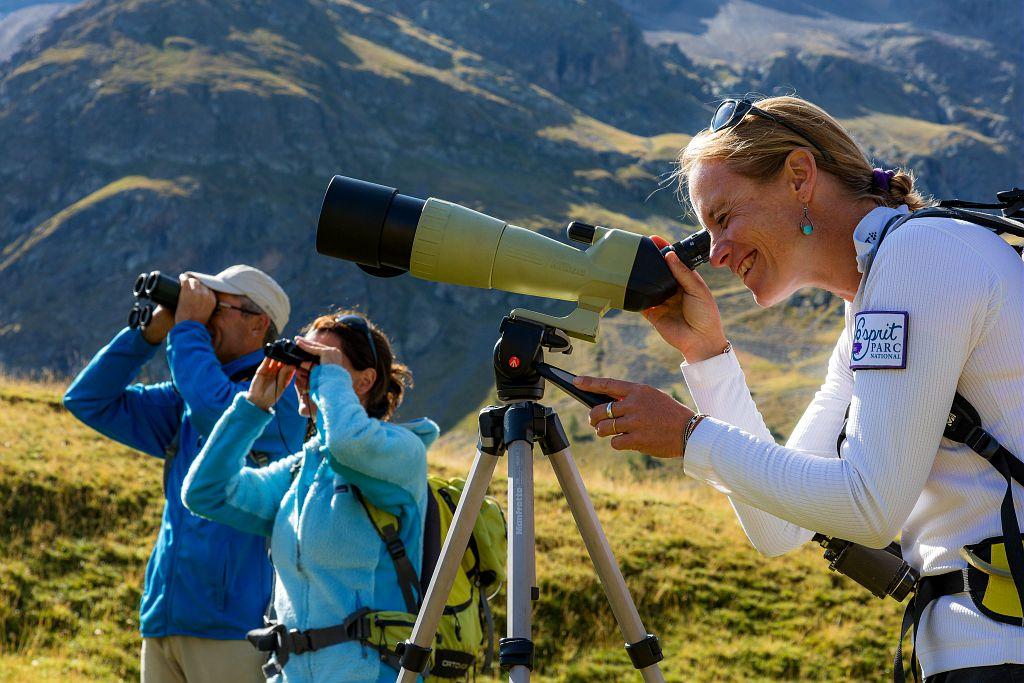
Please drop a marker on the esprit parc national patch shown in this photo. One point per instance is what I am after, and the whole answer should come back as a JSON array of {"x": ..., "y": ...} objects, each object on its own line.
[{"x": 880, "y": 340}]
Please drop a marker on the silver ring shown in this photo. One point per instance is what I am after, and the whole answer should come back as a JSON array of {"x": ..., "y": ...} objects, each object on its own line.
[{"x": 608, "y": 410}]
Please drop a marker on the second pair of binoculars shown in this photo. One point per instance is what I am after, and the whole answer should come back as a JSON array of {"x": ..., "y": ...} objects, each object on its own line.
[
  {"x": 151, "y": 290},
  {"x": 288, "y": 352}
]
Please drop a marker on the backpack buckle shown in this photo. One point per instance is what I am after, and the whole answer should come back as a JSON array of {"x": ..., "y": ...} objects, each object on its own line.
[
  {"x": 982, "y": 443},
  {"x": 357, "y": 626},
  {"x": 273, "y": 639},
  {"x": 267, "y": 639}
]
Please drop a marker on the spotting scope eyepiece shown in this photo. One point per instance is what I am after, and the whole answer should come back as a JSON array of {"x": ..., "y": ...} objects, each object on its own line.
[{"x": 388, "y": 233}]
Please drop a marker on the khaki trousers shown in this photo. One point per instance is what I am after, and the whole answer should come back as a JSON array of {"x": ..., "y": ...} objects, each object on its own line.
[{"x": 186, "y": 659}]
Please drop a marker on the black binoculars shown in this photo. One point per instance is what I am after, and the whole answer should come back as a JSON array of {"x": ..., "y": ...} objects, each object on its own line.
[
  {"x": 152, "y": 290},
  {"x": 289, "y": 353}
]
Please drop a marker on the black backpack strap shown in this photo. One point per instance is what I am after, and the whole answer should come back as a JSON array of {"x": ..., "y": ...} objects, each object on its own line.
[
  {"x": 169, "y": 454},
  {"x": 964, "y": 426},
  {"x": 282, "y": 642},
  {"x": 929, "y": 588},
  {"x": 431, "y": 541},
  {"x": 408, "y": 581}
]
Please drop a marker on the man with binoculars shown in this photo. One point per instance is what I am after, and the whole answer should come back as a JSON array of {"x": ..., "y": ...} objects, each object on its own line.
[{"x": 206, "y": 584}]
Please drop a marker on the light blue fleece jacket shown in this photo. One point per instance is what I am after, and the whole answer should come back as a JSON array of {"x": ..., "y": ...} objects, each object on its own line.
[{"x": 328, "y": 556}]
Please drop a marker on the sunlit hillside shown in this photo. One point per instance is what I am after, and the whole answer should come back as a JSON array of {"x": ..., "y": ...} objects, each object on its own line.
[{"x": 78, "y": 515}]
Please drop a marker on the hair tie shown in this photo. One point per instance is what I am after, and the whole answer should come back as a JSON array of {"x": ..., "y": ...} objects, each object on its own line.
[{"x": 881, "y": 178}]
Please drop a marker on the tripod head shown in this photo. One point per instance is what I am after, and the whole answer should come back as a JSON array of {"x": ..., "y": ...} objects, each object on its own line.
[{"x": 519, "y": 367}]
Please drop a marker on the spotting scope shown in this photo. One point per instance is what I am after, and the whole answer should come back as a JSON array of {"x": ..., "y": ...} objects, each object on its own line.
[{"x": 388, "y": 234}]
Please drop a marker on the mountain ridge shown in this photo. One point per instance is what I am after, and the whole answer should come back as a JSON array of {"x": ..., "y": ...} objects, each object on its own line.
[{"x": 537, "y": 113}]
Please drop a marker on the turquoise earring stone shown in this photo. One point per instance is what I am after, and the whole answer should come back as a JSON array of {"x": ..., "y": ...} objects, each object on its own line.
[{"x": 807, "y": 229}]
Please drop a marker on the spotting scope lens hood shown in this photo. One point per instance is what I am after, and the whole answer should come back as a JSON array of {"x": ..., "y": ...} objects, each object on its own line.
[{"x": 370, "y": 224}]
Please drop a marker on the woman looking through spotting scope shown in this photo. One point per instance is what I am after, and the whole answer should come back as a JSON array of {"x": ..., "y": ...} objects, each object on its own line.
[
  {"x": 330, "y": 561},
  {"x": 934, "y": 307}
]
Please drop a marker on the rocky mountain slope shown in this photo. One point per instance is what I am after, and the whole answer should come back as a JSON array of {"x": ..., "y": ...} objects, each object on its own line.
[
  {"x": 192, "y": 135},
  {"x": 936, "y": 85},
  {"x": 18, "y": 24}
]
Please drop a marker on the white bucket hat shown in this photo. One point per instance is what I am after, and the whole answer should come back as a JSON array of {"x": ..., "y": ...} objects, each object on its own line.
[{"x": 243, "y": 280}]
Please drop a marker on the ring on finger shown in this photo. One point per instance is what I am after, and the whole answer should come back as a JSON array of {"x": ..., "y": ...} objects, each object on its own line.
[
  {"x": 608, "y": 410},
  {"x": 614, "y": 430}
]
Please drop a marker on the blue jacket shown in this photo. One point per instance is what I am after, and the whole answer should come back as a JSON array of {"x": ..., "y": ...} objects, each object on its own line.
[
  {"x": 203, "y": 579},
  {"x": 328, "y": 556}
]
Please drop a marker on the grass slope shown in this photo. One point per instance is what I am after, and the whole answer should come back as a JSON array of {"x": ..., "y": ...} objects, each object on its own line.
[{"x": 79, "y": 513}]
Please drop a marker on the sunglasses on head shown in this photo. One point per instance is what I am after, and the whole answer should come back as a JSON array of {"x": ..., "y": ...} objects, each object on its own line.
[
  {"x": 358, "y": 322},
  {"x": 730, "y": 112}
]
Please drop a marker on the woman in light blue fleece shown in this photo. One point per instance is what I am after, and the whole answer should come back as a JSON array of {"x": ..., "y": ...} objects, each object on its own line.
[{"x": 329, "y": 558}]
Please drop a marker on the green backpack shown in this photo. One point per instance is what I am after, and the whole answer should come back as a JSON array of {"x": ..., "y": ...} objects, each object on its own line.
[{"x": 466, "y": 627}]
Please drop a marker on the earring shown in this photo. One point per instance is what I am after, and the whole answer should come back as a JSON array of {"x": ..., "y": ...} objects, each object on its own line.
[{"x": 807, "y": 228}]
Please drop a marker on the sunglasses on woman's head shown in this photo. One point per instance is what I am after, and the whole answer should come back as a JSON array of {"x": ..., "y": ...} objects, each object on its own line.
[
  {"x": 730, "y": 112},
  {"x": 358, "y": 322}
]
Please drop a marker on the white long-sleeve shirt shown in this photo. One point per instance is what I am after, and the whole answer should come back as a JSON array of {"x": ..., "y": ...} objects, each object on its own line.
[{"x": 963, "y": 290}]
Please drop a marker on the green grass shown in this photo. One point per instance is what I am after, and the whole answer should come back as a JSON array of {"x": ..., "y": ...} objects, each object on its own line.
[{"x": 80, "y": 513}]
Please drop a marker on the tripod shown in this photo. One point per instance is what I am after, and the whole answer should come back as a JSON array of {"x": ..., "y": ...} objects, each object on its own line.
[{"x": 515, "y": 428}]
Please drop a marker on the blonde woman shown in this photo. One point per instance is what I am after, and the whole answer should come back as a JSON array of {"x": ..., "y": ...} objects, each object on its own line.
[{"x": 791, "y": 201}]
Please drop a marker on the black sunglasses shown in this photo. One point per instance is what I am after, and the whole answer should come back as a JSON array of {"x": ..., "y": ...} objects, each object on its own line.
[
  {"x": 358, "y": 322},
  {"x": 730, "y": 112}
]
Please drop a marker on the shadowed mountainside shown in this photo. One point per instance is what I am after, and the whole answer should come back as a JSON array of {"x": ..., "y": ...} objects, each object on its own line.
[{"x": 160, "y": 134}]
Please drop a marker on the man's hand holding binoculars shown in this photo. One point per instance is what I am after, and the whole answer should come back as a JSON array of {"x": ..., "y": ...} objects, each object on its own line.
[
  {"x": 160, "y": 324},
  {"x": 195, "y": 302}
]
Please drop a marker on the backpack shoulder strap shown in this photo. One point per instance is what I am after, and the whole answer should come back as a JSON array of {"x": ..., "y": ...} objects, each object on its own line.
[
  {"x": 169, "y": 453},
  {"x": 431, "y": 540},
  {"x": 387, "y": 527}
]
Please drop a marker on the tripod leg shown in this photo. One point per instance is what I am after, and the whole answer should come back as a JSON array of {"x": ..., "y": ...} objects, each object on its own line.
[
  {"x": 642, "y": 647},
  {"x": 521, "y": 562},
  {"x": 417, "y": 649}
]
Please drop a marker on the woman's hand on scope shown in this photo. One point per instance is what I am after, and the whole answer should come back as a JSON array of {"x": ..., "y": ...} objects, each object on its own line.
[
  {"x": 271, "y": 379},
  {"x": 641, "y": 418},
  {"x": 689, "y": 320}
]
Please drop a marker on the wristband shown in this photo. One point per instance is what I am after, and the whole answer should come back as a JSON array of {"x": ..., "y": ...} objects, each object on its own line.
[{"x": 688, "y": 431}]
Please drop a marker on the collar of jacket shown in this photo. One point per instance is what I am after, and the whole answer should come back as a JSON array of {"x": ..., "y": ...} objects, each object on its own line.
[{"x": 242, "y": 362}]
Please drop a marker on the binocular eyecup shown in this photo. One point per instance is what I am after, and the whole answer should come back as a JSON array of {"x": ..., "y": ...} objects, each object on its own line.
[{"x": 151, "y": 290}]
